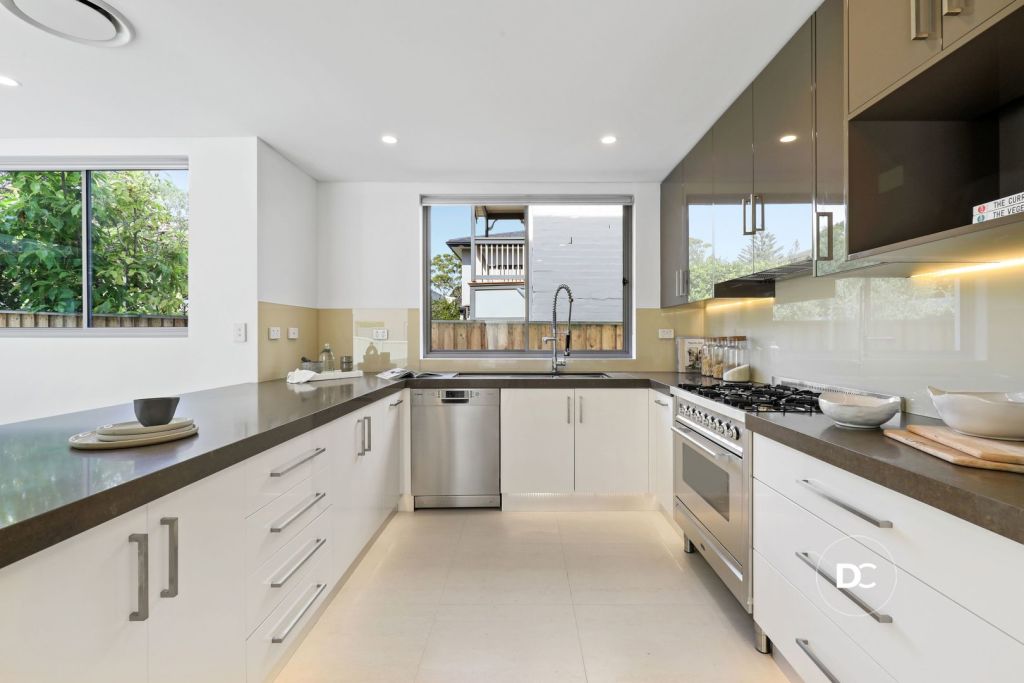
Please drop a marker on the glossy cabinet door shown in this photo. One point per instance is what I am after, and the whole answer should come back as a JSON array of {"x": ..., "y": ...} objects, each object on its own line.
[
  {"x": 349, "y": 490},
  {"x": 537, "y": 428},
  {"x": 698, "y": 207},
  {"x": 733, "y": 142},
  {"x": 887, "y": 40},
  {"x": 783, "y": 96},
  {"x": 960, "y": 17},
  {"x": 65, "y": 610},
  {"x": 196, "y": 581},
  {"x": 392, "y": 425},
  {"x": 659, "y": 440},
  {"x": 673, "y": 230},
  {"x": 611, "y": 441}
]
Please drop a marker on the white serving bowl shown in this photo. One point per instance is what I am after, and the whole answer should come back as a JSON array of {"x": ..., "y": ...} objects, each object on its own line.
[
  {"x": 989, "y": 414},
  {"x": 855, "y": 410}
]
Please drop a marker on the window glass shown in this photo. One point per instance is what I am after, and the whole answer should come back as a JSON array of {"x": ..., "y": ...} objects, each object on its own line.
[{"x": 40, "y": 248}]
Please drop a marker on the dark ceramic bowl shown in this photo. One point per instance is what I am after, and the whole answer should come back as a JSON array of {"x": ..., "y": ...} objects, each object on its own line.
[{"x": 155, "y": 411}]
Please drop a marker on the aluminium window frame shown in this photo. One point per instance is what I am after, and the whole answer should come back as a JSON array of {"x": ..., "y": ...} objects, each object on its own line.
[
  {"x": 628, "y": 267},
  {"x": 87, "y": 165}
]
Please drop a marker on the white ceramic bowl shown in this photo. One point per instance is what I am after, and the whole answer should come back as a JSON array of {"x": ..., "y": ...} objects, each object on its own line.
[
  {"x": 990, "y": 414},
  {"x": 854, "y": 410}
]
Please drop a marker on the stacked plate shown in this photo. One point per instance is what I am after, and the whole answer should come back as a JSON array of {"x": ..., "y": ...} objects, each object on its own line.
[{"x": 132, "y": 435}]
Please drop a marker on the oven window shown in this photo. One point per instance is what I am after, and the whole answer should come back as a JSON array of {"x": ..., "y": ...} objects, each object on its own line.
[{"x": 709, "y": 482}]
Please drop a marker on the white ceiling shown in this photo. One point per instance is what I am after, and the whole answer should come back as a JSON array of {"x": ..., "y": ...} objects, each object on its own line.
[{"x": 474, "y": 89}]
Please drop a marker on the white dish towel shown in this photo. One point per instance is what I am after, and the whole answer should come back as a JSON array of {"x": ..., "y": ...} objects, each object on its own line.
[{"x": 299, "y": 376}]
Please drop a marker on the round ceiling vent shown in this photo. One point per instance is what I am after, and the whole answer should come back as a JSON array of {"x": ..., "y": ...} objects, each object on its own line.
[{"x": 91, "y": 22}]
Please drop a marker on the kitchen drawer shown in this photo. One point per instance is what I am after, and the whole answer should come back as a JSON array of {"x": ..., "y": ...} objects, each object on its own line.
[
  {"x": 928, "y": 633},
  {"x": 276, "y": 470},
  {"x": 788, "y": 617},
  {"x": 975, "y": 567},
  {"x": 290, "y": 566},
  {"x": 271, "y": 527},
  {"x": 286, "y": 624}
]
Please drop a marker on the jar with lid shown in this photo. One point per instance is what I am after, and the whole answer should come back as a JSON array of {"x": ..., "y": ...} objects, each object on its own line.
[
  {"x": 718, "y": 358},
  {"x": 327, "y": 359},
  {"x": 705, "y": 357}
]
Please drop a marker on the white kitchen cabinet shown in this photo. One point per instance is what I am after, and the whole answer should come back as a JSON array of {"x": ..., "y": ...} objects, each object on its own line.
[
  {"x": 611, "y": 441},
  {"x": 537, "y": 440},
  {"x": 197, "y": 622},
  {"x": 389, "y": 436},
  {"x": 659, "y": 436},
  {"x": 64, "y": 614}
]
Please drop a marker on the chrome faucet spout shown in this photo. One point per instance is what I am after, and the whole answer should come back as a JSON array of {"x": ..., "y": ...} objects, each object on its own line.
[{"x": 553, "y": 339}]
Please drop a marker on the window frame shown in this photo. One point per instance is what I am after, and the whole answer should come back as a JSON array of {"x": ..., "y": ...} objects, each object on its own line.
[
  {"x": 87, "y": 165},
  {"x": 628, "y": 305}
]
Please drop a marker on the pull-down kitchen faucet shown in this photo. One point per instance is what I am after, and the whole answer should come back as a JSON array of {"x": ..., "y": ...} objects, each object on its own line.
[{"x": 553, "y": 339}]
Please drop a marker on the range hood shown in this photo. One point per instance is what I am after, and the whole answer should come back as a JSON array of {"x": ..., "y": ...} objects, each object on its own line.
[{"x": 762, "y": 283}]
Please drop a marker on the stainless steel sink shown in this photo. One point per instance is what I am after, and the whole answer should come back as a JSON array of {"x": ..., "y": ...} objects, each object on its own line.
[{"x": 531, "y": 375}]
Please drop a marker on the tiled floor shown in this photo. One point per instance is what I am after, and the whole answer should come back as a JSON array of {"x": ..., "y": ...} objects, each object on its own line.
[{"x": 446, "y": 597}]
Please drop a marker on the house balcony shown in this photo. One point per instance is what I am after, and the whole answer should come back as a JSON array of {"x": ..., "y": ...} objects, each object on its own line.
[{"x": 499, "y": 261}]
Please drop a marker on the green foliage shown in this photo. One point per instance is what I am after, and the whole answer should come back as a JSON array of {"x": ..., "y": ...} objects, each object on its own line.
[{"x": 446, "y": 282}]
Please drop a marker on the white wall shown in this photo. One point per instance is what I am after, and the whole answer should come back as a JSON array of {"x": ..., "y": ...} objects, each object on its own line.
[
  {"x": 369, "y": 237},
  {"x": 287, "y": 230},
  {"x": 46, "y": 376}
]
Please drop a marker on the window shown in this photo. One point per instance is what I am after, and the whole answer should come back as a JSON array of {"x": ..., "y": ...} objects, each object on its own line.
[
  {"x": 492, "y": 266},
  {"x": 84, "y": 249}
]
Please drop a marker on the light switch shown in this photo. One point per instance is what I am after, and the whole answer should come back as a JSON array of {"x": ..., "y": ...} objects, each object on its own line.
[
  {"x": 275, "y": 332},
  {"x": 293, "y": 333},
  {"x": 239, "y": 332},
  {"x": 666, "y": 333},
  {"x": 380, "y": 333}
]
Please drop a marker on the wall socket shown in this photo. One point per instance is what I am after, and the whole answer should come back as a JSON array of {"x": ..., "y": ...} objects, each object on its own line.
[
  {"x": 666, "y": 334},
  {"x": 380, "y": 333},
  {"x": 238, "y": 333},
  {"x": 293, "y": 333},
  {"x": 274, "y": 333}
]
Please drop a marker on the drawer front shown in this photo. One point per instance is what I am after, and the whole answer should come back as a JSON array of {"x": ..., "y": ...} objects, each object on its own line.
[
  {"x": 917, "y": 634},
  {"x": 288, "y": 567},
  {"x": 978, "y": 569},
  {"x": 274, "y": 471},
  {"x": 275, "y": 638},
  {"x": 803, "y": 634},
  {"x": 271, "y": 527}
]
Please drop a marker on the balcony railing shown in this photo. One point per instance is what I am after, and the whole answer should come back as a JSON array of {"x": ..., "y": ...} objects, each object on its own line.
[{"x": 500, "y": 261}]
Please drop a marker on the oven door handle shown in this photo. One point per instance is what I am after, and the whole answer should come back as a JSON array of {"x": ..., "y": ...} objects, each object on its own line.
[{"x": 716, "y": 455}]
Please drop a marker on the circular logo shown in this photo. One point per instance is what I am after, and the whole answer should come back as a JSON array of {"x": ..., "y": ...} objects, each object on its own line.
[{"x": 850, "y": 573}]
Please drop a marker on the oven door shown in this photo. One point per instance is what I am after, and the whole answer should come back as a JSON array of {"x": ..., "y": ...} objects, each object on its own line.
[{"x": 708, "y": 480}]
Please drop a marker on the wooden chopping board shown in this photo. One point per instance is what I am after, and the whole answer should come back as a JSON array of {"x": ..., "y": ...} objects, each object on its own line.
[
  {"x": 986, "y": 449},
  {"x": 949, "y": 454}
]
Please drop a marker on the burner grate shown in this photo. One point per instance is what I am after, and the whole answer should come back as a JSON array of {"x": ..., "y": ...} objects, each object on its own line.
[{"x": 759, "y": 398}]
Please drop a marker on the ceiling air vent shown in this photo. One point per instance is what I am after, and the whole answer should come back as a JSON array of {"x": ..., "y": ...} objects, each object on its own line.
[{"x": 90, "y": 22}]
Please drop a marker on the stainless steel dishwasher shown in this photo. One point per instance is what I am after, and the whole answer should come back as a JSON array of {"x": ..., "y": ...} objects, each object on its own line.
[{"x": 455, "y": 448}]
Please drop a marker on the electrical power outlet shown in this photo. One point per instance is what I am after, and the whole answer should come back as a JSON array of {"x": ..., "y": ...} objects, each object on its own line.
[
  {"x": 380, "y": 333},
  {"x": 293, "y": 333},
  {"x": 238, "y": 333},
  {"x": 666, "y": 334},
  {"x": 274, "y": 333}
]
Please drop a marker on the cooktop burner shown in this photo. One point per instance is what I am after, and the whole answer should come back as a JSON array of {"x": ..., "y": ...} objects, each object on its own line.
[{"x": 759, "y": 398}]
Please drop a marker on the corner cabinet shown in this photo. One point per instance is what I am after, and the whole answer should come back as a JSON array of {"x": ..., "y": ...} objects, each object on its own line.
[{"x": 673, "y": 234}]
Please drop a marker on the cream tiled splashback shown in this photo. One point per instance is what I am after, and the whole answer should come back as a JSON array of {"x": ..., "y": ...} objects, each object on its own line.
[{"x": 894, "y": 335}]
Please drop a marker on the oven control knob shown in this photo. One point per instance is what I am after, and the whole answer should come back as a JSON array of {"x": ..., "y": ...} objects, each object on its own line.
[
  {"x": 734, "y": 432},
  {"x": 720, "y": 427}
]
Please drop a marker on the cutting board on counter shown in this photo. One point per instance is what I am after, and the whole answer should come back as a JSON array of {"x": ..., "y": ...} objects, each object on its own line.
[
  {"x": 948, "y": 454},
  {"x": 986, "y": 449}
]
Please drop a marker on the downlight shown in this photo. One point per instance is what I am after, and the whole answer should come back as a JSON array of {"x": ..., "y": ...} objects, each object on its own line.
[{"x": 89, "y": 22}]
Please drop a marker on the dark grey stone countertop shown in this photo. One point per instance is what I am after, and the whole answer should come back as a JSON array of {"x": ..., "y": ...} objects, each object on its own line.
[
  {"x": 49, "y": 492},
  {"x": 992, "y": 500}
]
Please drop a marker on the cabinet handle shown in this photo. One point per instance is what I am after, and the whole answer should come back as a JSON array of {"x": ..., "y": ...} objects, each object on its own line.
[
  {"x": 369, "y": 434},
  {"x": 680, "y": 276},
  {"x": 568, "y": 410},
  {"x": 806, "y": 647},
  {"x": 686, "y": 283},
  {"x": 868, "y": 609},
  {"x": 142, "y": 613},
  {"x": 277, "y": 583},
  {"x": 172, "y": 557},
  {"x": 744, "y": 203},
  {"x": 362, "y": 438},
  {"x": 398, "y": 402},
  {"x": 581, "y": 409},
  {"x": 660, "y": 402},
  {"x": 880, "y": 523},
  {"x": 827, "y": 215},
  {"x": 296, "y": 512},
  {"x": 951, "y": 8},
  {"x": 301, "y": 460},
  {"x": 320, "y": 588},
  {"x": 753, "y": 213},
  {"x": 918, "y": 20}
]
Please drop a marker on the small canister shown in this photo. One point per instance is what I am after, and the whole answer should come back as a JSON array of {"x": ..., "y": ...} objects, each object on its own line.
[{"x": 346, "y": 363}]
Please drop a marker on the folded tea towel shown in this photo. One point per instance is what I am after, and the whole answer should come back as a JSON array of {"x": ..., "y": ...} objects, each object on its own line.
[{"x": 300, "y": 376}]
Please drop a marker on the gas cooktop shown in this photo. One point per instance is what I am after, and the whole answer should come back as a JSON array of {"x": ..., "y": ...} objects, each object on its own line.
[{"x": 759, "y": 398}]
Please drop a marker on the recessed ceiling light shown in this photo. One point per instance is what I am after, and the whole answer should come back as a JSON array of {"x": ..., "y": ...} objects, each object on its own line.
[
  {"x": 787, "y": 138},
  {"x": 609, "y": 140},
  {"x": 90, "y": 22},
  {"x": 9, "y": 82},
  {"x": 389, "y": 139}
]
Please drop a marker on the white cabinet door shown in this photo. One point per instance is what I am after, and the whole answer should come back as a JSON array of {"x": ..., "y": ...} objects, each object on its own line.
[
  {"x": 537, "y": 440},
  {"x": 389, "y": 435},
  {"x": 611, "y": 441},
  {"x": 64, "y": 611},
  {"x": 659, "y": 435},
  {"x": 350, "y": 499},
  {"x": 197, "y": 622}
]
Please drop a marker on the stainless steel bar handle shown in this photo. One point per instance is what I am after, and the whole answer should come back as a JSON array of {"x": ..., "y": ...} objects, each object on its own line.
[
  {"x": 397, "y": 403},
  {"x": 296, "y": 512},
  {"x": 142, "y": 613},
  {"x": 581, "y": 409},
  {"x": 805, "y": 557},
  {"x": 951, "y": 8},
  {"x": 320, "y": 588},
  {"x": 805, "y": 645},
  {"x": 568, "y": 410},
  {"x": 880, "y": 523},
  {"x": 172, "y": 557},
  {"x": 301, "y": 460},
  {"x": 918, "y": 19},
  {"x": 753, "y": 213},
  {"x": 362, "y": 438},
  {"x": 369, "y": 434},
  {"x": 744, "y": 202},
  {"x": 716, "y": 455},
  {"x": 660, "y": 402},
  {"x": 279, "y": 582},
  {"x": 827, "y": 215}
]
